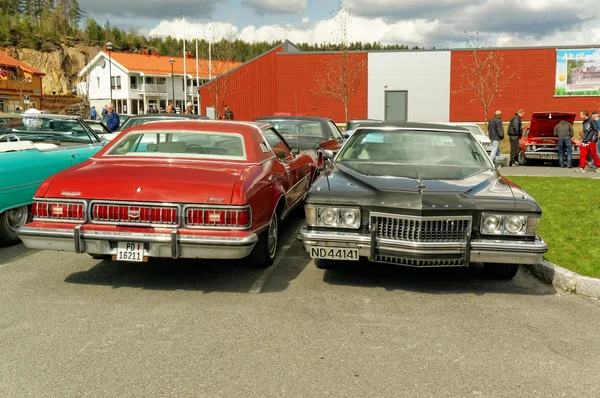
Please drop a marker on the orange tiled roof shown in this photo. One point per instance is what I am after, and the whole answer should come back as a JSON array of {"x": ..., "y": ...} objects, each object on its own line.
[
  {"x": 6, "y": 60},
  {"x": 159, "y": 64}
]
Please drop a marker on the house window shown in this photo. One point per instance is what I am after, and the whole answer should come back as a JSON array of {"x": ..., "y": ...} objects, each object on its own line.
[
  {"x": 161, "y": 80},
  {"x": 133, "y": 82},
  {"x": 149, "y": 80},
  {"x": 115, "y": 82}
]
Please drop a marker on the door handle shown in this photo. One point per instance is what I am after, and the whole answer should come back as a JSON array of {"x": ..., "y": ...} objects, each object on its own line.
[{"x": 74, "y": 154}]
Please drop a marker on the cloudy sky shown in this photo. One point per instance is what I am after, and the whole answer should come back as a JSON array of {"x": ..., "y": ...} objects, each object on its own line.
[{"x": 430, "y": 23}]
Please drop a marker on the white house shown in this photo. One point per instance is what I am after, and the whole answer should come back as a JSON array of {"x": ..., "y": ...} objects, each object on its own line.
[{"x": 140, "y": 81}]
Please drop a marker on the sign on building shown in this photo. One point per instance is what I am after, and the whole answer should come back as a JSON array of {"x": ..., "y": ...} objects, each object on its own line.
[
  {"x": 577, "y": 72},
  {"x": 26, "y": 99}
]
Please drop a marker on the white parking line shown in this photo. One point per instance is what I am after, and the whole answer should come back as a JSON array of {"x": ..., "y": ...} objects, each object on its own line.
[{"x": 260, "y": 282}]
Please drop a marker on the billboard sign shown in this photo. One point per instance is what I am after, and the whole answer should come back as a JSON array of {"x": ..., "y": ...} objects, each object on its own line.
[{"x": 577, "y": 72}]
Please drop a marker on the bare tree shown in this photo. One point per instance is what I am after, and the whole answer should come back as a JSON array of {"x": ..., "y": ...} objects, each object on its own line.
[
  {"x": 484, "y": 73},
  {"x": 222, "y": 82},
  {"x": 342, "y": 75},
  {"x": 21, "y": 81}
]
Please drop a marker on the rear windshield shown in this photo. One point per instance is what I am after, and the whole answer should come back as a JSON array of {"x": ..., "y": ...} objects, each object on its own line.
[
  {"x": 298, "y": 127},
  {"x": 209, "y": 145}
]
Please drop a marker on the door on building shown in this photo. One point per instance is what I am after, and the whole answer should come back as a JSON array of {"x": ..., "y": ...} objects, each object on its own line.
[{"x": 396, "y": 106}]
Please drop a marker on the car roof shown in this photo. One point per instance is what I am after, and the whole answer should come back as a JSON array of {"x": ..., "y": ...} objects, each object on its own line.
[
  {"x": 168, "y": 115},
  {"x": 412, "y": 126},
  {"x": 300, "y": 118}
]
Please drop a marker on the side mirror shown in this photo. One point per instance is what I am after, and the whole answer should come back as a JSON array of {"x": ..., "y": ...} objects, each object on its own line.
[
  {"x": 281, "y": 155},
  {"x": 295, "y": 150},
  {"x": 501, "y": 160},
  {"x": 346, "y": 135}
]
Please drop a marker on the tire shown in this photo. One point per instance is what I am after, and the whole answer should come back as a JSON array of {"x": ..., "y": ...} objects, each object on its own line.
[
  {"x": 264, "y": 252},
  {"x": 10, "y": 221},
  {"x": 326, "y": 264},
  {"x": 521, "y": 158},
  {"x": 500, "y": 271}
]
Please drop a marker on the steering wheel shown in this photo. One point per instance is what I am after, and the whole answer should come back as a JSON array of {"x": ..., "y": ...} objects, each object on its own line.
[
  {"x": 195, "y": 148},
  {"x": 8, "y": 137}
]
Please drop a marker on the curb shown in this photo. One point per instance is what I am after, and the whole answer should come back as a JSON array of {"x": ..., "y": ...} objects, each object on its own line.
[{"x": 566, "y": 280}]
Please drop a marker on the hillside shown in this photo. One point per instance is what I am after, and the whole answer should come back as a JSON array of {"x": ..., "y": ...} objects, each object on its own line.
[{"x": 60, "y": 65}]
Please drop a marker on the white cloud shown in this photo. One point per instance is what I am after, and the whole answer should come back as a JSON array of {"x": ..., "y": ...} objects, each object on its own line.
[
  {"x": 262, "y": 7},
  {"x": 436, "y": 32}
]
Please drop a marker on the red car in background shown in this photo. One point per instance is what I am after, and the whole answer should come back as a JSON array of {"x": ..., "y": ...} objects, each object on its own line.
[
  {"x": 539, "y": 144},
  {"x": 177, "y": 189}
]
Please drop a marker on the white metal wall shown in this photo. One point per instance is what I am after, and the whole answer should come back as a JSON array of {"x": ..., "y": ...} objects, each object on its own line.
[{"x": 424, "y": 74}]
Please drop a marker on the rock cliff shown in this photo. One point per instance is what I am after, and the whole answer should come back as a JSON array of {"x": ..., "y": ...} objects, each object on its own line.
[{"x": 60, "y": 65}]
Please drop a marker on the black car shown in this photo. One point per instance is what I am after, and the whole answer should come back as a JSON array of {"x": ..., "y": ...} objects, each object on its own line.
[
  {"x": 307, "y": 132},
  {"x": 420, "y": 195},
  {"x": 351, "y": 125},
  {"x": 154, "y": 117}
]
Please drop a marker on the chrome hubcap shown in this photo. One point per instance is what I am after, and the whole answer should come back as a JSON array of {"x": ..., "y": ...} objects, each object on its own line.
[
  {"x": 16, "y": 217},
  {"x": 272, "y": 242}
]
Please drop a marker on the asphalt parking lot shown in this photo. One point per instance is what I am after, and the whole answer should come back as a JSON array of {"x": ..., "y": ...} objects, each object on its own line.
[{"x": 72, "y": 326}]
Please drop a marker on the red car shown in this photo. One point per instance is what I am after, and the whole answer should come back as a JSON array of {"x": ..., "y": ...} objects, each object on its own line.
[
  {"x": 539, "y": 143},
  {"x": 178, "y": 189}
]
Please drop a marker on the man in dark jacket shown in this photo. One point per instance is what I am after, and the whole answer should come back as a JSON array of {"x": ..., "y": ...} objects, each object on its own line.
[
  {"x": 564, "y": 132},
  {"x": 496, "y": 134},
  {"x": 228, "y": 115},
  {"x": 589, "y": 137},
  {"x": 515, "y": 132},
  {"x": 113, "y": 122}
]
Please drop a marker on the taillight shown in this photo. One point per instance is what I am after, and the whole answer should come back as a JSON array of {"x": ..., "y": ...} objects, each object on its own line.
[
  {"x": 54, "y": 210},
  {"x": 320, "y": 159},
  {"x": 218, "y": 217}
]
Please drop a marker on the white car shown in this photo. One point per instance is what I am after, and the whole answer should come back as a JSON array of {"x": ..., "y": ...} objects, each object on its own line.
[{"x": 477, "y": 132}]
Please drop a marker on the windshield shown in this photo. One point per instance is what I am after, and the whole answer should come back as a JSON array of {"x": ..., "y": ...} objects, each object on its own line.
[
  {"x": 213, "y": 145},
  {"x": 45, "y": 129},
  {"x": 413, "y": 154},
  {"x": 298, "y": 127}
]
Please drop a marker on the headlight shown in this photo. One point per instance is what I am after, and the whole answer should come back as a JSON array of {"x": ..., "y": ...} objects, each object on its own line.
[
  {"x": 575, "y": 148},
  {"x": 498, "y": 224},
  {"x": 528, "y": 148},
  {"x": 333, "y": 217}
]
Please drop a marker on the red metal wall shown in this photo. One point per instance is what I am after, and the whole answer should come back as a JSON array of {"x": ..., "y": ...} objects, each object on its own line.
[
  {"x": 297, "y": 88},
  {"x": 533, "y": 90},
  {"x": 250, "y": 91}
]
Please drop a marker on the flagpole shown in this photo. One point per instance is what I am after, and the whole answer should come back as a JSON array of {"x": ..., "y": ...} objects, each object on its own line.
[
  {"x": 184, "y": 70},
  {"x": 197, "y": 81}
]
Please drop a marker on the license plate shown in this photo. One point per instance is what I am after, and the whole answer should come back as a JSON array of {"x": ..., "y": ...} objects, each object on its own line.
[
  {"x": 549, "y": 156},
  {"x": 334, "y": 253},
  {"x": 130, "y": 251}
]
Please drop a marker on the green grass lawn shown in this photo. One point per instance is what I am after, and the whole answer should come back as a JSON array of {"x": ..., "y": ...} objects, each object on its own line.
[{"x": 570, "y": 222}]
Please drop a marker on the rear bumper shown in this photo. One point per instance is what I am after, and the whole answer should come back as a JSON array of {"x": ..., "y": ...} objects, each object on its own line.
[
  {"x": 479, "y": 250},
  {"x": 173, "y": 245}
]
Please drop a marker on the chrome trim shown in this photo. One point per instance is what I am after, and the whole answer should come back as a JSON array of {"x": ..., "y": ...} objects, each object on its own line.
[
  {"x": 134, "y": 204},
  {"x": 543, "y": 155},
  {"x": 77, "y": 239},
  {"x": 217, "y": 207},
  {"x": 505, "y": 214},
  {"x": 62, "y": 200},
  {"x": 174, "y": 244},
  {"x": 21, "y": 185}
]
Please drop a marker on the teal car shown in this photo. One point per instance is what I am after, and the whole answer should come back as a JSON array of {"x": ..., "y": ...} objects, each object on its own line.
[{"x": 32, "y": 148}]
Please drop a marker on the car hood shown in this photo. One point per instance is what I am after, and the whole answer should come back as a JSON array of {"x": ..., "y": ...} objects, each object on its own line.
[
  {"x": 543, "y": 123},
  {"x": 484, "y": 190},
  {"x": 177, "y": 182}
]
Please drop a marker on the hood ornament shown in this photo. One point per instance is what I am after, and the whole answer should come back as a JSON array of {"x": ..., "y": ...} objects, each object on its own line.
[{"x": 421, "y": 186}]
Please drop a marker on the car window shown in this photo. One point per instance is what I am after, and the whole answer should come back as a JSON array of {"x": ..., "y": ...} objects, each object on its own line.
[
  {"x": 132, "y": 122},
  {"x": 203, "y": 144},
  {"x": 280, "y": 148},
  {"x": 41, "y": 129},
  {"x": 334, "y": 130},
  {"x": 297, "y": 127}
]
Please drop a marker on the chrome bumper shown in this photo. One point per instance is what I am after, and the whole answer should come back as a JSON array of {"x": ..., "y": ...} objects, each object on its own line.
[
  {"x": 480, "y": 250},
  {"x": 171, "y": 245},
  {"x": 548, "y": 155}
]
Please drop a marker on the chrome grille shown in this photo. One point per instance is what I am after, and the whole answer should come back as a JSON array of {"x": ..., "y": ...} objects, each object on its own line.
[
  {"x": 411, "y": 262},
  {"x": 421, "y": 229}
]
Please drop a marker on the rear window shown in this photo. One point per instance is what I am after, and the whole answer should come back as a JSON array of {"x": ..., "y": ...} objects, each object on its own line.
[
  {"x": 297, "y": 127},
  {"x": 209, "y": 145}
]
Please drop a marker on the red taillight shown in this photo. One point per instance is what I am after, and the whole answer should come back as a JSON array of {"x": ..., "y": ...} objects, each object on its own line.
[
  {"x": 59, "y": 210},
  {"x": 320, "y": 159},
  {"x": 215, "y": 217}
]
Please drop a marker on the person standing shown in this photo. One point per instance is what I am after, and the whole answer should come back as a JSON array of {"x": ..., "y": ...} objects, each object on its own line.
[
  {"x": 564, "y": 132},
  {"x": 113, "y": 122},
  {"x": 496, "y": 134},
  {"x": 228, "y": 115},
  {"x": 189, "y": 110},
  {"x": 93, "y": 113},
  {"x": 170, "y": 108},
  {"x": 515, "y": 132},
  {"x": 588, "y": 141}
]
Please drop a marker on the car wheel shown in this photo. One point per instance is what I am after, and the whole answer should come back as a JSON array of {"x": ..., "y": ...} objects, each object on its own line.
[
  {"x": 10, "y": 221},
  {"x": 500, "y": 271},
  {"x": 265, "y": 250},
  {"x": 521, "y": 158}
]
